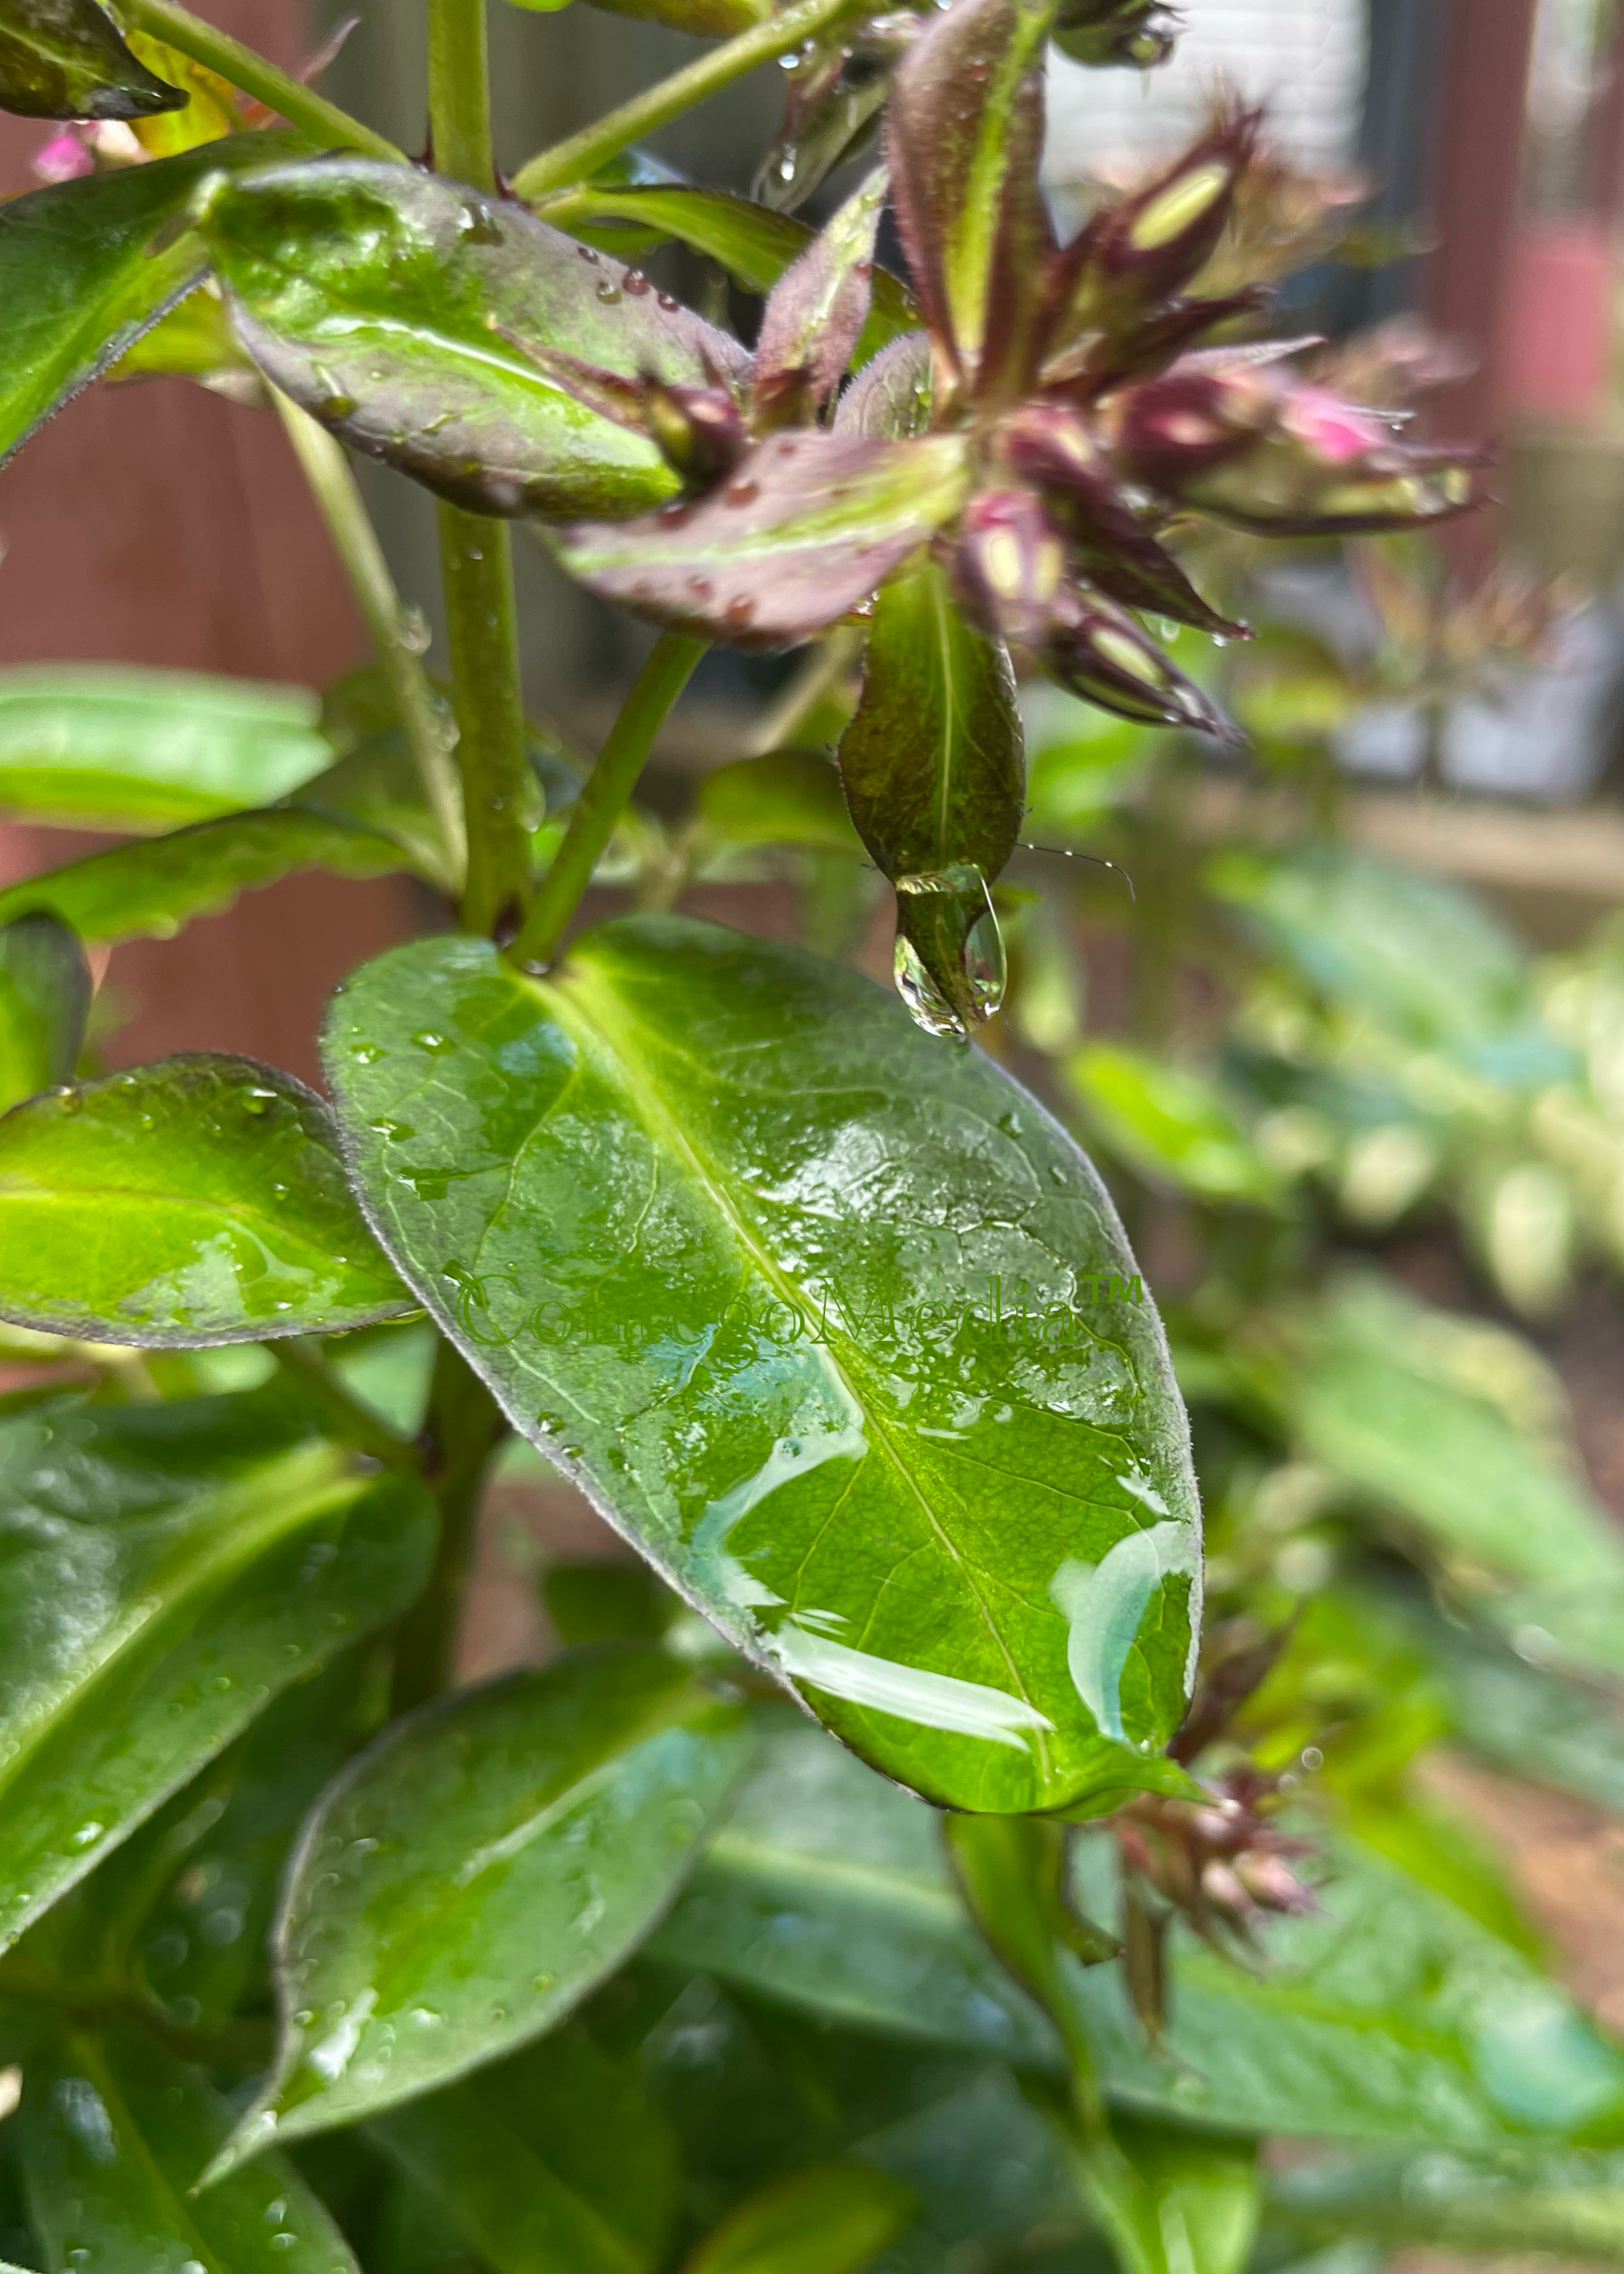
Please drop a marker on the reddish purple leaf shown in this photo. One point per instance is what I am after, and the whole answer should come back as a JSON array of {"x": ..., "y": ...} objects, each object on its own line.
[
  {"x": 815, "y": 312},
  {"x": 889, "y": 397}
]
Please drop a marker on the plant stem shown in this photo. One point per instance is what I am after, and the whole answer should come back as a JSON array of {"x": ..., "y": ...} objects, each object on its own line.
[
  {"x": 572, "y": 161},
  {"x": 603, "y": 797},
  {"x": 355, "y": 540},
  {"x": 325, "y": 124},
  {"x": 464, "y": 1427},
  {"x": 355, "y": 1421},
  {"x": 476, "y": 552}
]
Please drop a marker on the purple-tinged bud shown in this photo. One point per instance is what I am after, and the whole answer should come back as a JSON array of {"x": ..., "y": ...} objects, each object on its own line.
[
  {"x": 699, "y": 430},
  {"x": 1173, "y": 430},
  {"x": 1100, "y": 360},
  {"x": 1101, "y": 33},
  {"x": 1223, "y": 1891},
  {"x": 1009, "y": 565},
  {"x": 1158, "y": 240},
  {"x": 1099, "y": 651},
  {"x": 1270, "y": 1881}
]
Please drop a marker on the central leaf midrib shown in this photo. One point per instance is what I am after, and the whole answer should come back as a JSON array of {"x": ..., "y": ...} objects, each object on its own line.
[{"x": 645, "y": 1095}]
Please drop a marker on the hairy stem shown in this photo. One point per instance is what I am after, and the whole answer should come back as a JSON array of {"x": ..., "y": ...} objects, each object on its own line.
[
  {"x": 463, "y": 1429},
  {"x": 351, "y": 1416},
  {"x": 476, "y": 552},
  {"x": 326, "y": 124},
  {"x": 355, "y": 540},
  {"x": 603, "y": 798},
  {"x": 572, "y": 161}
]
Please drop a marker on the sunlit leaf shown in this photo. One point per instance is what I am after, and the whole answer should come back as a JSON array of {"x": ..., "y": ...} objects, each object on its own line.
[
  {"x": 470, "y": 1880},
  {"x": 829, "y": 2218},
  {"x": 115, "y": 2131},
  {"x": 167, "y": 1570},
  {"x": 681, "y": 1206},
  {"x": 416, "y": 320},
  {"x": 44, "y": 998},
  {"x": 64, "y": 59},
  {"x": 200, "y": 1200}
]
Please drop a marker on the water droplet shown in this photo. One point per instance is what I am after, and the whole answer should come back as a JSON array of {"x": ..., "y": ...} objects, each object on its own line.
[
  {"x": 543, "y": 1981},
  {"x": 395, "y": 1131},
  {"x": 741, "y": 610},
  {"x": 949, "y": 962},
  {"x": 87, "y": 1833},
  {"x": 427, "y": 1039},
  {"x": 479, "y": 225},
  {"x": 668, "y": 301},
  {"x": 413, "y": 630},
  {"x": 588, "y": 255},
  {"x": 608, "y": 290},
  {"x": 786, "y": 167},
  {"x": 68, "y": 1099},
  {"x": 333, "y": 407},
  {"x": 740, "y": 491},
  {"x": 634, "y": 282},
  {"x": 426, "y": 2017},
  {"x": 700, "y": 587}
]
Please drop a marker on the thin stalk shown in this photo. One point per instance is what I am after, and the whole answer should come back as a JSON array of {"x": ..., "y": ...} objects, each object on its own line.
[
  {"x": 338, "y": 496},
  {"x": 807, "y": 691},
  {"x": 353, "y": 1419},
  {"x": 325, "y": 124},
  {"x": 476, "y": 552},
  {"x": 464, "y": 1428},
  {"x": 573, "y": 160},
  {"x": 604, "y": 796}
]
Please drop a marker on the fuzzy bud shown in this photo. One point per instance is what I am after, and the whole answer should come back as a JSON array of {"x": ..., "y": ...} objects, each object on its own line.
[
  {"x": 698, "y": 430},
  {"x": 1009, "y": 565},
  {"x": 1173, "y": 430},
  {"x": 1154, "y": 243},
  {"x": 1099, "y": 651}
]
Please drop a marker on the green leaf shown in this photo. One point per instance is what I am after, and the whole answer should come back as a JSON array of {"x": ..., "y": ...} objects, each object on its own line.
[
  {"x": 200, "y": 1199},
  {"x": 829, "y": 2219},
  {"x": 193, "y": 341},
  {"x": 167, "y": 1570},
  {"x": 681, "y": 1205},
  {"x": 1387, "y": 2014},
  {"x": 96, "y": 746},
  {"x": 553, "y": 2162},
  {"x": 78, "y": 282},
  {"x": 64, "y": 59},
  {"x": 482, "y": 1868},
  {"x": 115, "y": 2132},
  {"x": 752, "y": 243},
  {"x": 153, "y": 889},
  {"x": 44, "y": 1000},
  {"x": 1203, "y": 2190},
  {"x": 1565, "y": 2205},
  {"x": 438, "y": 331},
  {"x": 1174, "y": 1127},
  {"x": 607, "y": 1602},
  {"x": 786, "y": 797}
]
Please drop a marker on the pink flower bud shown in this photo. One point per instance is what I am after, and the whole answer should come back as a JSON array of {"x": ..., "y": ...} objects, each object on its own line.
[
  {"x": 1098, "y": 651},
  {"x": 1009, "y": 565},
  {"x": 699, "y": 430},
  {"x": 63, "y": 159},
  {"x": 1173, "y": 429}
]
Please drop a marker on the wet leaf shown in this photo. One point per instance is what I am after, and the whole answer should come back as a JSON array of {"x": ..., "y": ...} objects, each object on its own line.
[
  {"x": 409, "y": 314},
  {"x": 77, "y": 280},
  {"x": 1386, "y": 2015},
  {"x": 788, "y": 797},
  {"x": 488, "y": 1862},
  {"x": 554, "y": 2162},
  {"x": 1562, "y": 2203},
  {"x": 200, "y": 1200},
  {"x": 45, "y": 999},
  {"x": 681, "y": 1206},
  {"x": 64, "y": 59},
  {"x": 816, "y": 313},
  {"x": 890, "y": 398},
  {"x": 100, "y": 747},
  {"x": 963, "y": 135},
  {"x": 169, "y": 1569},
  {"x": 829, "y": 2219},
  {"x": 807, "y": 527},
  {"x": 152, "y": 890},
  {"x": 1173, "y": 1126},
  {"x": 114, "y": 2133}
]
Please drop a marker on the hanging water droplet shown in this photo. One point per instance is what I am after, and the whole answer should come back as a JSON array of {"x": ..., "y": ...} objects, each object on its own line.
[
  {"x": 949, "y": 964},
  {"x": 367, "y": 1053},
  {"x": 608, "y": 290},
  {"x": 395, "y": 1131},
  {"x": 414, "y": 630},
  {"x": 333, "y": 407}
]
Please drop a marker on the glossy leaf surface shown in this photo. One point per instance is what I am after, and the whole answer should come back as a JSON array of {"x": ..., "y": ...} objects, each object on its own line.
[
  {"x": 44, "y": 998},
  {"x": 829, "y": 2219},
  {"x": 554, "y": 2162},
  {"x": 100, "y": 747},
  {"x": 483, "y": 1867},
  {"x": 200, "y": 1199},
  {"x": 115, "y": 2132},
  {"x": 681, "y": 1206},
  {"x": 416, "y": 320},
  {"x": 153, "y": 889},
  {"x": 64, "y": 59},
  {"x": 77, "y": 280},
  {"x": 167, "y": 1570},
  {"x": 1387, "y": 2014},
  {"x": 806, "y": 529}
]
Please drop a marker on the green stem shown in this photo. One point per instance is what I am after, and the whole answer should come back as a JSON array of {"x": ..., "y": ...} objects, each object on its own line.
[
  {"x": 355, "y": 540},
  {"x": 460, "y": 91},
  {"x": 583, "y": 153},
  {"x": 603, "y": 798},
  {"x": 324, "y": 123},
  {"x": 464, "y": 1427},
  {"x": 354, "y": 1419}
]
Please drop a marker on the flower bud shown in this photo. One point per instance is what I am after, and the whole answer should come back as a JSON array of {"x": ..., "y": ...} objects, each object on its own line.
[
  {"x": 1156, "y": 242},
  {"x": 1101, "y": 33},
  {"x": 699, "y": 430},
  {"x": 1099, "y": 651},
  {"x": 1270, "y": 1882},
  {"x": 1009, "y": 565},
  {"x": 1173, "y": 430}
]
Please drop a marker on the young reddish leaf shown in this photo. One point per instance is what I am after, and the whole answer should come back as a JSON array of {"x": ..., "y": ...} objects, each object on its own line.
[
  {"x": 409, "y": 314},
  {"x": 890, "y": 398},
  {"x": 814, "y": 318},
  {"x": 964, "y": 136},
  {"x": 806, "y": 529}
]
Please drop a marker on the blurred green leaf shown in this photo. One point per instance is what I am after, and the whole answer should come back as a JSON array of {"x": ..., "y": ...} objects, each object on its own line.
[
  {"x": 64, "y": 59},
  {"x": 1203, "y": 2190},
  {"x": 607, "y": 1602},
  {"x": 168, "y": 1570},
  {"x": 200, "y": 1199},
  {"x": 788, "y": 797},
  {"x": 829, "y": 2219},
  {"x": 193, "y": 341},
  {"x": 1171, "y": 1125},
  {"x": 115, "y": 2132},
  {"x": 97, "y": 746},
  {"x": 78, "y": 280},
  {"x": 712, "y": 20},
  {"x": 44, "y": 1001},
  {"x": 1566, "y": 2204},
  {"x": 483, "y": 1866}
]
